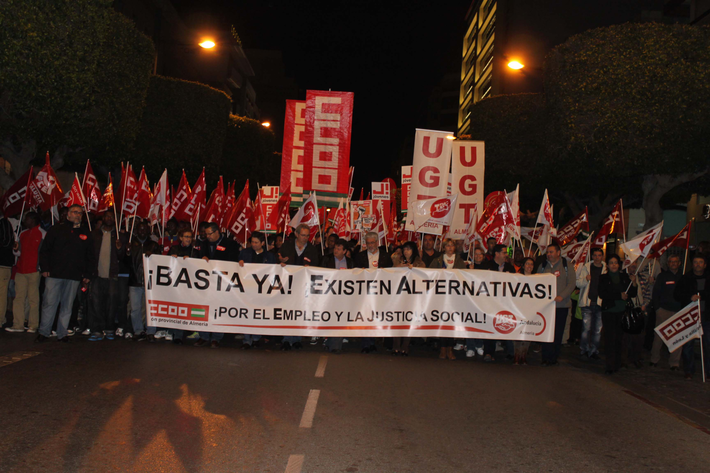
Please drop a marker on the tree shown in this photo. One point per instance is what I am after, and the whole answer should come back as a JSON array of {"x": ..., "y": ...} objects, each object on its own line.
[
  {"x": 73, "y": 75},
  {"x": 634, "y": 101},
  {"x": 183, "y": 127},
  {"x": 249, "y": 153}
]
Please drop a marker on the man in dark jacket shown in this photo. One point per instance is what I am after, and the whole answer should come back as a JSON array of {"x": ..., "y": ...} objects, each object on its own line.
[
  {"x": 109, "y": 249},
  {"x": 498, "y": 263},
  {"x": 336, "y": 260},
  {"x": 664, "y": 302},
  {"x": 140, "y": 245},
  {"x": 219, "y": 248},
  {"x": 693, "y": 287},
  {"x": 374, "y": 257},
  {"x": 65, "y": 259},
  {"x": 298, "y": 252}
]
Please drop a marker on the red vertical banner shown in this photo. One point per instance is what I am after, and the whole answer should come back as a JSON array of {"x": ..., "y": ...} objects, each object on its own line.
[
  {"x": 467, "y": 170},
  {"x": 430, "y": 171},
  {"x": 269, "y": 198},
  {"x": 326, "y": 159},
  {"x": 292, "y": 150}
]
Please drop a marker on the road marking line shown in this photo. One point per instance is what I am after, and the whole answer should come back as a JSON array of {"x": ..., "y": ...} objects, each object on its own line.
[
  {"x": 310, "y": 411},
  {"x": 17, "y": 356},
  {"x": 320, "y": 371},
  {"x": 295, "y": 463},
  {"x": 668, "y": 411}
]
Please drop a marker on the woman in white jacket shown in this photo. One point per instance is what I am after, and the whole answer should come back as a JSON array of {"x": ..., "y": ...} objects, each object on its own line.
[{"x": 588, "y": 275}]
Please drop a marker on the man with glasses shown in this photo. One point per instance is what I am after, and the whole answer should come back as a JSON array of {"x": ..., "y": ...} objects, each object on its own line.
[
  {"x": 298, "y": 252},
  {"x": 66, "y": 259}
]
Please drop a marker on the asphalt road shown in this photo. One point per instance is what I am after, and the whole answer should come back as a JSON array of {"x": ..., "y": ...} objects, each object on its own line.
[{"x": 135, "y": 406}]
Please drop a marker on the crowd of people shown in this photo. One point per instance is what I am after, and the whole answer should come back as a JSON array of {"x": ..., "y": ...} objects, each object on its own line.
[{"x": 66, "y": 279}]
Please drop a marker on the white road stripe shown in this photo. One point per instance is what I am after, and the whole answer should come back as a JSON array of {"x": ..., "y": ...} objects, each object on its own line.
[
  {"x": 295, "y": 463},
  {"x": 310, "y": 411},
  {"x": 17, "y": 356},
  {"x": 320, "y": 371}
]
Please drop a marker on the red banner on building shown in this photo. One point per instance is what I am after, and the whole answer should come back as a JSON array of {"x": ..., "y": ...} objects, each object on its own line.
[
  {"x": 292, "y": 150},
  {"x": 326, "y": 159}
]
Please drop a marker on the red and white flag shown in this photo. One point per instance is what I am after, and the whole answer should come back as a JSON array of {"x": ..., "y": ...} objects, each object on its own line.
[
  {"x": 641, "y": 245},
  {"x": 241, "y": 223},
  {"x": 437, "y": 211},
  {"x": 471, "y": 233},
  {"x": 611, "y": 225},
  {"x": 215, "y": 204},
  {"x": 107, "y": 199},
  {"x": 683, "y": 326},
  {"x": 181, "y": 197},
  {"x": 15, "y": 196},
  {"x": 47, "y": 184},
  {"x": 129, "y": 185},
  {"x": 75, "y": 194},
  {"x": 340, "y": 222},
  {"x": 308, "y": 213},
  {"x": 513, "y": 227},
  {"x": 277, "y": 219},
  {"x": 90, "y": 187},
  {"x": 143, "y": 196},
  {"x": 495, "y": 218},
  {"x": 577, "y": 251},
  {"x": 681, "y": 240},
  {"x": 229, "y": 201},
  {"x": 195, "y": 209},
  {"x": 293, "y": 149},
  {"x": 544, "y": 217},
  {"x": 159, "y": 200},
  {"x": 570, "y": 231}
]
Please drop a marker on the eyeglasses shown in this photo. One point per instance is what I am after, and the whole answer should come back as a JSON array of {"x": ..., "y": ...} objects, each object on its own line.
[
  {"x": 211, "y": 233},
  {"x": 304, "y": 235}
]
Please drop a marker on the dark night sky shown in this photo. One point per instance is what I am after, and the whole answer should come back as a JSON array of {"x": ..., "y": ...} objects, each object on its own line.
[{"x": 390, "y": 54}]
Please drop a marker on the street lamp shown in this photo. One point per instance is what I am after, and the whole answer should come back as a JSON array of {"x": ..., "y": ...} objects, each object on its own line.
[
  {"x": 207, "y": 44},
  {"x": 266, "y": 124},
  {"x": 515, "y": 65}
]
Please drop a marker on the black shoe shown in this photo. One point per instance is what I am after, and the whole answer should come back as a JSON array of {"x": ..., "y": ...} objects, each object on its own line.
[
  {"x": 545, "y": 363},
  {"x": 214, "y": 344},
  {"x": 140, "y": 337},
  {"x": 609, "y": 372},
  {"x": 674, "y": 368},
  {"x": 297, "y": 346},
  {"x": 41, "y": 338},
  {"x": 688, "y": 376},
  {"x": 177, "y": 341},
  {"x": 201, "y": 343},
  {"x": 285, "y": 346},
  {"x": 64, "y": 339},
  {"x": 652, "y": 364},
  {"x": 372, "y": 348},
  {"x": 509, "y": 357},
  {"x": 638, "y": 364},
  {"x": 246, "y": 346},
  {"x": 150, "y": 338},
  {"x": 594, "y": 357},
  {"x": 365, "y": 350}
]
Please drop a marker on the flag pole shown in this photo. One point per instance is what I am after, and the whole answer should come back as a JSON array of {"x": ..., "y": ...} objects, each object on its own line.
[
  {"x": 133, "y": 223},
  {"x": 88, "y": 221},
  {"x": 115, "y": 216},
  {"x": 24, "y": 200},
  {"x": 700, "y": 330},
  {"x": 623, "y": 225},
  {"x": 123, "y": 194},
  {"x": 687, "y": 244}
]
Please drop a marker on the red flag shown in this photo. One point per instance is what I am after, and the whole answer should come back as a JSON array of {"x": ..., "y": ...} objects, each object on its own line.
[
  {"x": 229, "y": 201},
  {"x": 160, "y": 198},
  {"x": 107, "y": 200},
  {"x": 195, "y": 209},
  {"x": 75, "y": 197},
  {"x": 16, "y": 195},
  {"x": 609, "y": 226},
  {"x": 90, "y": 187},
  {"x": 181, "y": 198},
  {"x": 496, "y": 216},
  {"x": 48, "y": 186},
  {"x": 143, "y": 196},
  {"x": 215, "y": 205},
  {"x": 129, "y": 193},
  {"x": 570, "y": 231},
  {"x": 279, "y": 216},
  {"x": 241, "y": 223},
  {"x": 259, "y": 219},
  {"x": 681, "y": 240}
]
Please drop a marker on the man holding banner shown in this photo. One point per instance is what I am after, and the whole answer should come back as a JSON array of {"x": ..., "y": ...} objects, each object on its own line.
[{"x": 693, "y": 287}]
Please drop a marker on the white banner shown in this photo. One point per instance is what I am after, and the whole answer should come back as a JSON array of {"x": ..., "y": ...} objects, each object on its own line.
[
  {"x": 219, "y": 296},
  {"x": 430, "y": 171},
  {"x": 468, "y": 170},
  {"x": 683, "y": 326}
]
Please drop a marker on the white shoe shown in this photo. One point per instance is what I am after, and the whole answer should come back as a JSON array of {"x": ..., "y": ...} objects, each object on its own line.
[
  {"x": 169, "y": 337},
  {"x": 314, "y": 340},
  {"x": 54, "y": 334},
  {"x": 458, "y": 347},
  {"x": 86, "y": 332},
  {"x": 119, "y": 332},
  {"x": 128, "y": 335},
  {"x": 70, "y": 332},
  {"x": 14, "y": 330},
  {"x": 470, "y": 353},
  {"x": 345, "y": 340},
  {"x": 159, "y": 334},
  {"x": 479, "y": 351}
]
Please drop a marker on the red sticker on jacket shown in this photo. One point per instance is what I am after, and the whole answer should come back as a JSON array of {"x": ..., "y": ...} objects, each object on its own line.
[
  {"x": 83, "y": 237},
  {"x": 557, "y": 273},
  {"x": 306, "y": 259},
  {"x": 221, "y": 248},
  {"x": 670, "y": 282}
]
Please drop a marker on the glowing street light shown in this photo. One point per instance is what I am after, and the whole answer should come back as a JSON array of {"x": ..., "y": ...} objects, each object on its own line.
[
  {"x": 515, "y": 65},
  {"x": 207, "y": 44},
  {"x": 450, "y": 137},
  {"x": 266, "y": 124}
]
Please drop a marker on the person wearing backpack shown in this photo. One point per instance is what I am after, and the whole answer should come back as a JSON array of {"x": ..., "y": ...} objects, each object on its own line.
[{"x": 566, "y": 283}]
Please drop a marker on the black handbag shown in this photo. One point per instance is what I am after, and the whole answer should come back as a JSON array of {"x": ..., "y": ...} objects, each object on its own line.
[{"x": 633, "y": 320}]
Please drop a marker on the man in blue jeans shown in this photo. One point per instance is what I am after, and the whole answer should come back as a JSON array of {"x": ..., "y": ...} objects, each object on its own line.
[
  {"x": 66, "y": 259},
  {"x": 563, "y": 270},
  {"x": 588, "y": 282},
  {"x": 695, "y": 287},
  {"x": 141, "y": 244}
]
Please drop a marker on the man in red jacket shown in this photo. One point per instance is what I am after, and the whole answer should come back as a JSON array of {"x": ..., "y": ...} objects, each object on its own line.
[{"x": 27, "y": 275}]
